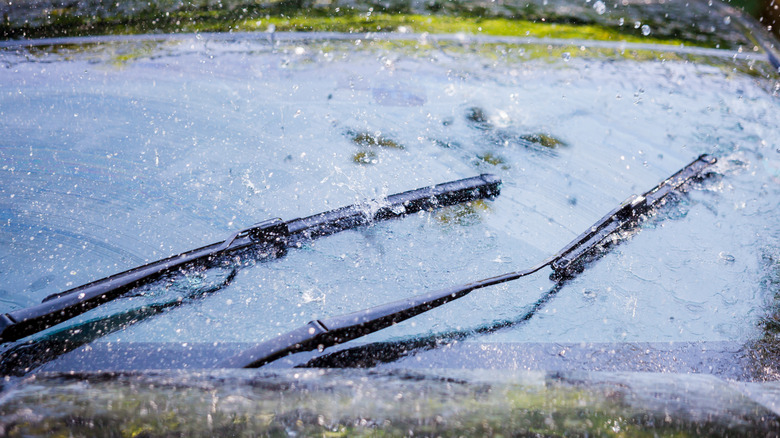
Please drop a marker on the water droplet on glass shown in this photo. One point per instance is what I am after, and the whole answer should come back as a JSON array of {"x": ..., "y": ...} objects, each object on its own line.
[
  {"x": 728, "y": 258},
  {"x": 727, "y": 20},
  {"x": 645, "y": 30},
  {"x": 600, "y": 7},
  {"x": 589, "y": 294},
  {"x": 637, "y": 24},
  {"x": 622, "y": 21},
  {"x": 450, "y": 90},
  {"x": 502, "y": 259},
  {"x": 566, "y": 56}
]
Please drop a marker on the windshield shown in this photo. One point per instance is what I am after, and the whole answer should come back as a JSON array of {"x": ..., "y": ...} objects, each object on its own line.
[
  {"x": 136, "y": 131},
  {"x": 114, "y": 164}
]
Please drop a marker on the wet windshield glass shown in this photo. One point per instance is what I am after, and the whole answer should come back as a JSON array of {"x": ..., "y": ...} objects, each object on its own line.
[
  {"x": 133, "y": 131},
  {"x": 117, "y": 152},
  {"x": 127, "y": 152}
]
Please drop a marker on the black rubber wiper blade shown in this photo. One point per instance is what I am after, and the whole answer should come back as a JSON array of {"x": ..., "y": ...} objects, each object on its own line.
[
  {"x": 323, "y": 333},
  {"x": 568, "y": 260},
  {"x": 273, "y": 233}
]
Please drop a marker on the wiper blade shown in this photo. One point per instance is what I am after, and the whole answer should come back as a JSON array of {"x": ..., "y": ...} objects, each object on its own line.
[
  {"x": 273, "y": 233},
  {"x": 323, "y": 333}
]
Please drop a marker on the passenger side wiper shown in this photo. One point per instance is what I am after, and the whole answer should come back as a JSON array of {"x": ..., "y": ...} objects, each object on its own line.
[
  {"x": 323, "y": 333},
  {"x": 273, "y": 234}
]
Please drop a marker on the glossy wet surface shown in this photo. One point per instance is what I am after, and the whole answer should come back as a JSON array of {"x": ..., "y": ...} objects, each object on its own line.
[
  {"x": 115, "y": 154},
  {"x": 686, "y": 24},
  {"x": 399, "y": 403}
]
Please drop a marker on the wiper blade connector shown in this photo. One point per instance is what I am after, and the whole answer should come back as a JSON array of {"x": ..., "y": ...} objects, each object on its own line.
[
  {"x": 567, "y": 261},
  {"x": 323, "y": 333},
  {"x": 276, "y": 233}
]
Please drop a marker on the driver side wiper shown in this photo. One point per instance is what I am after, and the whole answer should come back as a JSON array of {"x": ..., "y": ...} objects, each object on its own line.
[
  {"x": 570, "y": 260},
  {"x": 273, "y": 234}
]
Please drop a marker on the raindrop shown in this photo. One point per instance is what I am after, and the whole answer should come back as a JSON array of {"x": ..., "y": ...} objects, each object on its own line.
[
  {"x": 645, "y": 30},
  {"x": 621, "y": 21},
  {"x": 600, "y": 7},
  {"x": 727, "y": 20},
  {"x": 637, "y": 24},
  {"x": 728, "y": 258},
  {"x": 450, "y": 90},
  {"x": 566, "y": 56},
  {"x": 502, "y": 259}
]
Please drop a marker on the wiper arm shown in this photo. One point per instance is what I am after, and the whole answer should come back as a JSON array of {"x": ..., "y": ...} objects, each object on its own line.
[
  {"x": 273, "y": 233},
  {"x": 323, "y": 333}
]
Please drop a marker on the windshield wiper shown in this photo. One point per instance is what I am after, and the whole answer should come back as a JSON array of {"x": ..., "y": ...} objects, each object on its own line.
[
  {"x": 273, "y": 234},
  {"x": 323, "y": 333}
]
